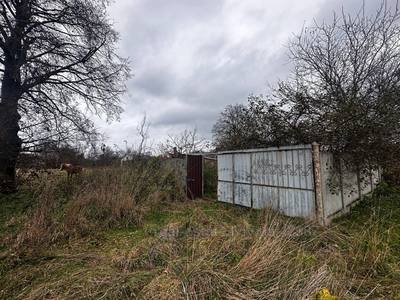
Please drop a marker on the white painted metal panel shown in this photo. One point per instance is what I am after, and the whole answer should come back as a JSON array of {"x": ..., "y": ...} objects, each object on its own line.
[
  {"x": 225, "y": 167},
  {"x": 297, "y": 203},
  {"x": 242, "y": 168},
  {"x": 264, "y": 171},
  {"x": 242, "y": 194},
  {"x": 307, "y": 170},
  {"x": 280, "y": 178},
  {"x": 265, "y": 196},
  {"x": 225, "y": 193},
  {"x": 287, "y": 169}
]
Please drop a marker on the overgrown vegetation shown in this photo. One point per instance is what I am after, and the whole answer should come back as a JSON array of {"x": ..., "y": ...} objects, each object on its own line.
[
  {"x": 210, "y": 176},
  {"x": 342, "y": 93},
  {"x": 102, "y": 198},
  {"x": 123, "y": 233}
]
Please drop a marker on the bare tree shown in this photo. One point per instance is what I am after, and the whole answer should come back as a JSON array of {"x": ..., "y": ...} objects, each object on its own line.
[
  {"x": 188, "y": 141},
  {"x": 57, "y": 65},
  {"x": 346, "y": 85},
  {"x": 343, "y": 93},
  {"x": 143, "y": 133}
]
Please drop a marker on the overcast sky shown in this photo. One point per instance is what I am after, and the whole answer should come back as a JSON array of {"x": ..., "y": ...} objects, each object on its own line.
[{"x": 191, "y": 58}]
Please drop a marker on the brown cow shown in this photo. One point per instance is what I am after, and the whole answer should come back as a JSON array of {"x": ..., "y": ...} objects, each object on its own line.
[{"x": 71, "y": 169}]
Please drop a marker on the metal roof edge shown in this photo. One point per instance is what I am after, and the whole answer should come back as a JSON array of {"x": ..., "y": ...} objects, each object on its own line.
[{"x": 281, "y": 148}]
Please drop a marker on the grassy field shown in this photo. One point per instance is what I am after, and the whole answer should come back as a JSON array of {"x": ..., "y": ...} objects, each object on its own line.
[{"x": 129, "y": 233}]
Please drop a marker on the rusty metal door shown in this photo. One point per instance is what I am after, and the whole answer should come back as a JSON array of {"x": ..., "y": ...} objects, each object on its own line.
[{"x": 194, "y": 179}]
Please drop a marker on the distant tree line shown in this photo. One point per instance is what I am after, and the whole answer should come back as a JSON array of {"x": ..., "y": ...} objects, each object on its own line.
[
  {"x": 343, "y": 92},
  {"x": 53, "y": 156},
  {"x": 96, "y": 153}
]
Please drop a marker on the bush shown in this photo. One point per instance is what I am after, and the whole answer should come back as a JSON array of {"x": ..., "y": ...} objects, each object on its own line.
[{"x": 392, "y": 175}]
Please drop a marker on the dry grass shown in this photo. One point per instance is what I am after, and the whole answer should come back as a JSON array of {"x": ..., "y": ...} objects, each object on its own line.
[
  {"x": 125, "y": 234},
  {"x": 99, "y": 199},
  {"x": 240, "y": 264}
]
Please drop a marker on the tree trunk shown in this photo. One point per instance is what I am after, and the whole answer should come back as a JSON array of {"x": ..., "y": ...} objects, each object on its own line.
[
  {"x": 11, "y": 92},
  {"x": 10, "y": 143}
]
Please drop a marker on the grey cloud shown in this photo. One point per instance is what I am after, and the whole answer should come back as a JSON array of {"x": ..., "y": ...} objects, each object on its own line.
[
  {"x": 156, "y": 82},
  {"x": 191, "y": 58},
  {"x": 352, "y": 7}
]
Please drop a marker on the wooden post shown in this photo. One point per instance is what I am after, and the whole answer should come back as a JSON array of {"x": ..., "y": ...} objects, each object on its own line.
[{"x": 319, "y": 205}]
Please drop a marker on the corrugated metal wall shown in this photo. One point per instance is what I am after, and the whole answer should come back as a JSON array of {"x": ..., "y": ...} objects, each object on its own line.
[{"x": 281, "y": 178}]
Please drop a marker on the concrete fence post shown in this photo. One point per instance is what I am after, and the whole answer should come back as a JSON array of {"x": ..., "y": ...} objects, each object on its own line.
[
  {"x": 319, "y": 205},
  {"x": 360, "y": 194},
  {"x": 341, "y": 184},
  {"x": 233, "y": 178},
  {"x": 251, "y": 180}
]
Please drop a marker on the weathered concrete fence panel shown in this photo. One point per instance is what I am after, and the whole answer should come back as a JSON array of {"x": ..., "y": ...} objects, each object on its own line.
[
  {"x": 341, "y": 190},
  {"x": 296, "y": 180}
]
